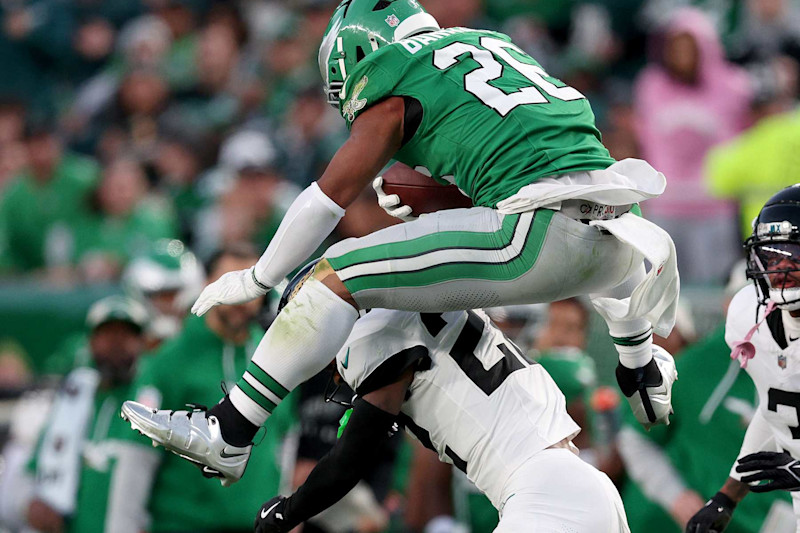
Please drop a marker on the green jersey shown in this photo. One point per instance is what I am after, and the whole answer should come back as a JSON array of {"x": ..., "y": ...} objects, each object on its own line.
[
  {"x": 491, "y": 120},
  {"x": 33, "y": 215},
  {"x": 98, "y": 458}
]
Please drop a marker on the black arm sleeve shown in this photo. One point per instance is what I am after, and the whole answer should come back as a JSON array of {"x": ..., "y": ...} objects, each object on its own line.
[{"x": 353, "y": 456}]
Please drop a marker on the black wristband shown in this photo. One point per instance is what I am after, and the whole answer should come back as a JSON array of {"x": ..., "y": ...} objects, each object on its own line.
[
  {"x": 724, "y": 500},
  {"x": 258, "y": 283}
]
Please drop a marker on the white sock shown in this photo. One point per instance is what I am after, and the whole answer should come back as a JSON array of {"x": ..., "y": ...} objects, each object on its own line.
[
  {"x": 303, "y": 340},
  {"x": 633, "y": 341}
]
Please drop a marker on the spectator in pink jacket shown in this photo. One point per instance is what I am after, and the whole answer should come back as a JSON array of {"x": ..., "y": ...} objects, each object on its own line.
[{"x": 686, "y": 101}]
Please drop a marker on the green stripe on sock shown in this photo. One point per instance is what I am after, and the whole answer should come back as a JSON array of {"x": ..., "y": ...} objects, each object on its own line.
[
  {"x": 452, "y": 271},
  {"x": 478, "y": 240},
  {"x": 265, "y": 379},
  {"x": 634, "y": 340},
  {"x": 256, "y": 396}
]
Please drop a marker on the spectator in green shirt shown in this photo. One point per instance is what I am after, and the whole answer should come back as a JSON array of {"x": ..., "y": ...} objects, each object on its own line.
[
  {"x": 125, "y": 222},
  {"x": 210, "y": 349},
  {"x": 76, "y": 454},
  {"x": 40, "y": 204}
]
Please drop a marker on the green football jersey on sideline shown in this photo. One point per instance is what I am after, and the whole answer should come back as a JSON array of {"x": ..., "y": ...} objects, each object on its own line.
[{"x": 492, "y": 120}]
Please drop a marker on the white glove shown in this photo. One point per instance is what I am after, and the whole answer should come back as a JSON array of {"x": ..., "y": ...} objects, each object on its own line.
[
  {"x": 391, "y": 202},
  {"x": 232, "y": 288},
  {"x": 648, "y": 389}
]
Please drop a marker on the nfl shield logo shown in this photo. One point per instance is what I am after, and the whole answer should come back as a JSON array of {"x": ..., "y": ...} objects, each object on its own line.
[
  {"x": 782, "y": 361},
  {"x": 392, "y": 20}
]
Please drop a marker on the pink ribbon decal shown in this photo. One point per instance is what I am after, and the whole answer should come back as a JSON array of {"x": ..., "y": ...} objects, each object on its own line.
[{"x": 744, "y": 350}]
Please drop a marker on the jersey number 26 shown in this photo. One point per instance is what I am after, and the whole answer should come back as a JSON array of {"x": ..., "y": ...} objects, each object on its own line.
[{"x": 477, "y": 81}]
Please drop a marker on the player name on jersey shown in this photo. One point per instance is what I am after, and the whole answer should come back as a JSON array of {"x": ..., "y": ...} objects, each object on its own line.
[{"x": 415, "y": 44}]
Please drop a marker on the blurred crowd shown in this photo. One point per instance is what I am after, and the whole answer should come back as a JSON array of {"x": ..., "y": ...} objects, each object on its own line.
[{"x": 147, "y": 146}]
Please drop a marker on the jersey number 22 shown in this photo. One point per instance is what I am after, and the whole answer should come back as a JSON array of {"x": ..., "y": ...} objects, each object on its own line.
[{"x": 477, "y": 81}]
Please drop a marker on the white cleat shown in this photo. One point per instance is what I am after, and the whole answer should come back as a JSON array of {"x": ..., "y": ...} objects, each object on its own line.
[{"x": 193, "y": 436}]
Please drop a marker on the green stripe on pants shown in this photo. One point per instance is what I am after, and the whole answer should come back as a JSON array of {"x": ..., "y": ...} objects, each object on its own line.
[
  {"x": 476, "y": 240},
  {"x": 510, "y": 270}
]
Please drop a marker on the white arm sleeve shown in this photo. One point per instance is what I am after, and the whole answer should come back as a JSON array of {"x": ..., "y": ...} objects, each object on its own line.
[
  {"x": 757, "y": 439},
  {"x": 650, "y": 468},
  {"x": 129, "y": 493},
  {"x": 310, "y": 218}
]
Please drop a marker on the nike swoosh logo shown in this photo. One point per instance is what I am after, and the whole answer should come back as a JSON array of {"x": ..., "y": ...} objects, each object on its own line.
[
  {"x": 229, "y": 455},
  {"x": 346, "y": 359},
  {"x": 265, "y": 512}
]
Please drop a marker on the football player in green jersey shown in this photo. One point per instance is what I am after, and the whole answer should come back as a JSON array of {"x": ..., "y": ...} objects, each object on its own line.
[{"x": 551, "y": 218}]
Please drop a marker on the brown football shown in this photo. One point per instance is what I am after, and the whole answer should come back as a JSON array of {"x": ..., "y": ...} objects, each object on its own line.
[{"x": 421, "y": 192}]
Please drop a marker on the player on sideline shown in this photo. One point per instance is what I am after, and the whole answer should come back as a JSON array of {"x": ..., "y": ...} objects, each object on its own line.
[
  {"x": 769, "y": 351},
  {"x": 551, "y": 218},
  {"x": 464, "y": 390}
]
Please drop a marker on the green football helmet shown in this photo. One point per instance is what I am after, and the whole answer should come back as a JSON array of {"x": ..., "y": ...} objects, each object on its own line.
[{"x": 358, "y": 28}]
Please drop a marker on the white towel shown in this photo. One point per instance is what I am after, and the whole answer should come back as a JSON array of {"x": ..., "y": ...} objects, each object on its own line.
[
  {"x": 656, "y": 297},
  {"x": 625, "y": 182},
  {"x": 59, "y": 461}
]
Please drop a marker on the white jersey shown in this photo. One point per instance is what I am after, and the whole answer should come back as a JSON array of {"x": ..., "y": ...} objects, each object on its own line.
[
  {"x": 775, "y": 370},
  {"x": 474, "y": 399}
]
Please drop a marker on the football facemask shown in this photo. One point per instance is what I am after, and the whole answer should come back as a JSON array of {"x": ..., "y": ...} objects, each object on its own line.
[{"x": 776, "y": 267}]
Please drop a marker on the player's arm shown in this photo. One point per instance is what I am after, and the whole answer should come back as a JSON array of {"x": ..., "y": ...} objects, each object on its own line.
[
  {"x": 717, "y": 512},
  {"x": 374, "y": 138},
  {"x": 353, "y": 456},
  {"x": 650, "y": 467}
]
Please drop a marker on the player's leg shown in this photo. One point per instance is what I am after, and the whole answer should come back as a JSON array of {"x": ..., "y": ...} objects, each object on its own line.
[
  {"x": 557, "y": 491},
  {"x": 472, "y": 258},
  {"x": 632, "y": 338},
  {"x": 645, "y": 373},
  {"x": 315, "y": 324},
  {"x": 457, "y": 259}
]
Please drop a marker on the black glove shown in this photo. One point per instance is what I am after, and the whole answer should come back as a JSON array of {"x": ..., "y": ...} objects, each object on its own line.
[
  {"x": 714, "y": 517},
  {"x": 781, "y": 471},
  {"x": 270, "y": 518},
  {"x": 648, "y": 389}
]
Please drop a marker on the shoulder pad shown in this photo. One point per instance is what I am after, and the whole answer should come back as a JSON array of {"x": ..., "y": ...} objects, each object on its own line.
[{"x": 381, "y": 346}]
